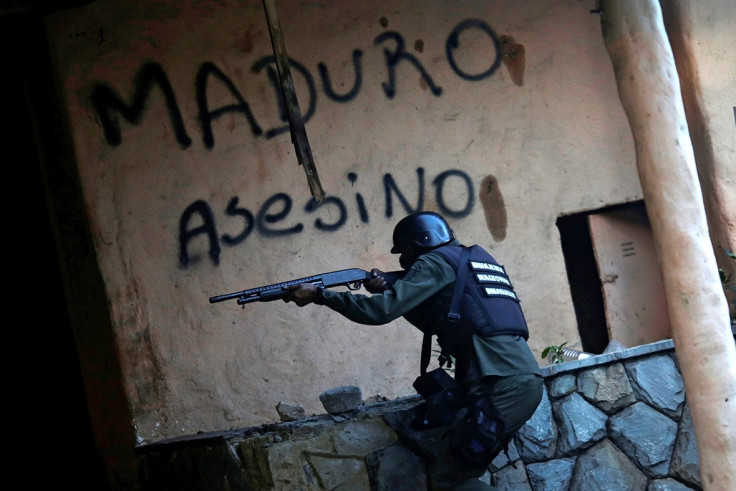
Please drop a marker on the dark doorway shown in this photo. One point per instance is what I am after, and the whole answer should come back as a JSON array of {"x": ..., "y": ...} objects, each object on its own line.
[
  {"x": 614, "y": 277},
  {"x": 585, "y": 284}
]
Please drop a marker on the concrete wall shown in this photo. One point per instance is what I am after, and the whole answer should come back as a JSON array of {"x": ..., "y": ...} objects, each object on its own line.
[
  {"x": 496, "y": 157},
  {"x": 191, "y": 187},
  {"x": 616, "y": 421}
]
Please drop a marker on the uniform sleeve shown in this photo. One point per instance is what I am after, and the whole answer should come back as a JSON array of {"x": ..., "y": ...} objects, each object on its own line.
[{"x": 428, "y": 275}]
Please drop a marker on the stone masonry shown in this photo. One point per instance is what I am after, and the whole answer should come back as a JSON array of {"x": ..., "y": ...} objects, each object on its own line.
[{"x": 617, "y": 421}]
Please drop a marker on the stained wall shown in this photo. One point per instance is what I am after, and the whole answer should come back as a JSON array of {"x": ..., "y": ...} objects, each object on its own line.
[{"x": 192, "y": 189}]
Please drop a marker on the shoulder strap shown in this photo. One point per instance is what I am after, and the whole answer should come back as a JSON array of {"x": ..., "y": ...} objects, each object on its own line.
[
  {"x": 426, "y": 352},
  {"x": 453, "y": 315},
  {"x": 462, "y": 268}
]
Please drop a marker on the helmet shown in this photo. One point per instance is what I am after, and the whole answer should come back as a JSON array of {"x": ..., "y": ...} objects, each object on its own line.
[{"x": 425, "y": 230}]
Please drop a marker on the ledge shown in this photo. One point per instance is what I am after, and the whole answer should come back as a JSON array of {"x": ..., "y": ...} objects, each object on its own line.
[{"x": 602, "y": 359}]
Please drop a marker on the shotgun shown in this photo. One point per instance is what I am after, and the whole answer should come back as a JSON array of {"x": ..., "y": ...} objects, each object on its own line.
[{"x": 351, "y": 278}]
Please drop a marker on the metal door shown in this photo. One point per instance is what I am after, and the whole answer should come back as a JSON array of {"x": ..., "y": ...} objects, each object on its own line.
[{"x": 633, "y": 294}]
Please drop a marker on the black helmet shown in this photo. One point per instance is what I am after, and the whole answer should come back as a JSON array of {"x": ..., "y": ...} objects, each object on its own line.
[{"x": 424, "y": 230}]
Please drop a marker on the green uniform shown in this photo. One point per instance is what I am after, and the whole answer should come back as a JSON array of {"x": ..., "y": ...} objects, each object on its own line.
[
  {"x": 430, "y": 275},
  {"x": 500, "y": 367}
]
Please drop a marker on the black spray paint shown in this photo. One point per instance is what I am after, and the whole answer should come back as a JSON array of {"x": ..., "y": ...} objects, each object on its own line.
[
  {"x": 273, "y": 219},
  {"x": 109, "y": 106}
]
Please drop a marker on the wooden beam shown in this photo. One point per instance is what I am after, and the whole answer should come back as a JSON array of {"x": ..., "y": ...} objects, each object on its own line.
[
  {"x": 649, "y": 89},
  {"x": 288, "y": 94}
]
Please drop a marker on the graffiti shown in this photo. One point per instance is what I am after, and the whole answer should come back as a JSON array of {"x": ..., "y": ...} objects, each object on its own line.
[
  {"x": 265, "y": 218},
  {"x": 439, "y": 184},
  {"x": 202, "y": 209},
  {"x": 200, "y": 233},
  {"x": 362, "y": 210},
  {"x": 206, "y": 116},
  {"x": 233, "y": 211},
  {"x": 268, "y": 62},
  {"x": 453, "y": 43},
  {"x": 105, "y": 100},
  {"x": 393, "y": 59},
  {"x": 390, "y": 188},
  {"x": 274, "y": 219},
  {"x": 327, "y": 84},
  {"x": 109, "y": 106}
]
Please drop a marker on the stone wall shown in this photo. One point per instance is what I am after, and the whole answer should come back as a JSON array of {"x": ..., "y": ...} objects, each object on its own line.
[{"x": 613, "y": 421}]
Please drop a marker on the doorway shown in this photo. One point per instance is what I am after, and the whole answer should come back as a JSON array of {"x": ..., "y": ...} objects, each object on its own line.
[{"x": 615, "y": 280}]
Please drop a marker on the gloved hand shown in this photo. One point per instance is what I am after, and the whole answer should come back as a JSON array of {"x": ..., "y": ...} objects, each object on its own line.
[
  {"x": 377, "y": 283},
  {"x": 301, "y": 294}
]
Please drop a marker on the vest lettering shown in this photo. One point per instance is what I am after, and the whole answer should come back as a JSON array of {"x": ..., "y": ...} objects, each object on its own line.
[
  {"x": 502, "y": 292},
  {"x": 492, "y": 278},
  {"x": 487, "y": 267}
]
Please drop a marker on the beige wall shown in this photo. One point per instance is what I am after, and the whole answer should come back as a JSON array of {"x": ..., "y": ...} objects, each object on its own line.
[
  {"x": 700, "y": 33},
  {"x": 556, "y": 144}
]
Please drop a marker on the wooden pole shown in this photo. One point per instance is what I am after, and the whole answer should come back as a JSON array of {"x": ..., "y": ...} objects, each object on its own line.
[
  {"x": 649, "y": 89},
  {"x": 296, "y": 122}
]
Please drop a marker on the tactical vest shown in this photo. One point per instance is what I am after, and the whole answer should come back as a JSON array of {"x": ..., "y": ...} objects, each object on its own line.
[{"x": 488, "y": 305}]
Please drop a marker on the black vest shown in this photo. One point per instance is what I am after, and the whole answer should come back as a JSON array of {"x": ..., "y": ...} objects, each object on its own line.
[{"x": 488, "y": 306}]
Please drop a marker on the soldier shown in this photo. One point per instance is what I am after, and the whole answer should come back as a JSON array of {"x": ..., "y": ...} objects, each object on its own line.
[{"x": 464, "y": 297}]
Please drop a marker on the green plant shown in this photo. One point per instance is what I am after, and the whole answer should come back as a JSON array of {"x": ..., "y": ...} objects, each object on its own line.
[
  {"x": 554, "y": 353},
  {"x": 729, "y": 285}
]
